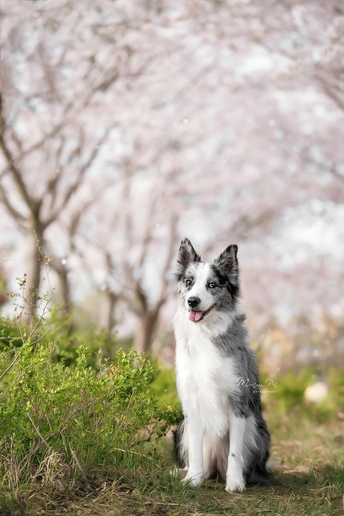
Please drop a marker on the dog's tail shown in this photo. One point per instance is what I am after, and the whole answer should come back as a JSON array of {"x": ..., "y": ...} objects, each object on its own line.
[
  {"x": 179, "y": 450},
  {"x": 260, "y": 475},
  {"x": 257, "y": 472}
]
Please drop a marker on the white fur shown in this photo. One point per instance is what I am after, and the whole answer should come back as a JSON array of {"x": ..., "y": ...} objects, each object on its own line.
[
  {"x": 234, "y": 478},
  {"x": 204, "y": 380},
  {"x": 199, "y": 289},
  {"x": 200, "y": 368}
]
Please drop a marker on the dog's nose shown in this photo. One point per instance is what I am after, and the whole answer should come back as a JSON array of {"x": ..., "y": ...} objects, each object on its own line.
[{"x": 193, "y": 302}]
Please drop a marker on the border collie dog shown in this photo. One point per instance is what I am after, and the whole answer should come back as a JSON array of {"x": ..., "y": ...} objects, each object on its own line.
[{"x": 223, "y": 431}]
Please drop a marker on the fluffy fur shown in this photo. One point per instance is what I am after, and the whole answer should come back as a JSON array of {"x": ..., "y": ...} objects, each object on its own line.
[{"x": 223, "y": 431}]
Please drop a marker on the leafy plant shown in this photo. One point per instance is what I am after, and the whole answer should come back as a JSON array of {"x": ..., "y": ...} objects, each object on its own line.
[{"x": 61, "y": 424}]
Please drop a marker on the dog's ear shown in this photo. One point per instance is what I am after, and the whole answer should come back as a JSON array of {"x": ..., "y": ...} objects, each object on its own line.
[
  {"x": 227, "y": 262},
  {"x": 186, "y": 255}
]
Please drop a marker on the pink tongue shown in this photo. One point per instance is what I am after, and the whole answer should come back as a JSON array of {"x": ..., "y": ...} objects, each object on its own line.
[{"x": 195, "y": 316}]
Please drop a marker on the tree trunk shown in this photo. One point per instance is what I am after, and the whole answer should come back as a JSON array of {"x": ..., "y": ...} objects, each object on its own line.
[
  {"x": 62, "y": 272},
  {"x": 64, "y": 290},
  {"x": 145, "y": 331},
  {"x": 110, "y": 323},
  {"x": 33, "y": 276}
]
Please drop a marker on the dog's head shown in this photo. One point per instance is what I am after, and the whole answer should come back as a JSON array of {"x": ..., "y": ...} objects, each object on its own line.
[{"x": 204, "y": 287}]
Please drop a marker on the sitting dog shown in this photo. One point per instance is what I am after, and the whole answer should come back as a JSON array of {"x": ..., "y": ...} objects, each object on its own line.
[{"x": 223, "y": 431}]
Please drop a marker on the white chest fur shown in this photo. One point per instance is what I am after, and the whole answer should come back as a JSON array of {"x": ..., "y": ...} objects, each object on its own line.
[{"x": 205, "y": 378}]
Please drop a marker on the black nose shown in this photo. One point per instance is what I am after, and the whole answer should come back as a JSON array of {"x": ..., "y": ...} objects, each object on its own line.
[{"x": 193, "y": 301}]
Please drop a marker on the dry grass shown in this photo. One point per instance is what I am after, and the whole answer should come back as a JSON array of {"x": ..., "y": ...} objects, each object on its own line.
[{"x": 309, "y": 480}]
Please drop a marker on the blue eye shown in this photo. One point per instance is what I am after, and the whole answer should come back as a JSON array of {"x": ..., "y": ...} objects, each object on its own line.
[{"x": 212, "y": 284}]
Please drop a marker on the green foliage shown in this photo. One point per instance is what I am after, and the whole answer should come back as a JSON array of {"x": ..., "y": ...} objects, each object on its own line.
[
  {"x": 336, "y": 382},
  {"x": 10, "y": 335},
  {"x": 164, "y": 384},
  {"x": 286, "y": 405},
  {"x": 291, "y": 388},
  {"x": 67, "y": 340},
  {"x": 61, "y": 331},
  {"x": 61, "y": 424}
]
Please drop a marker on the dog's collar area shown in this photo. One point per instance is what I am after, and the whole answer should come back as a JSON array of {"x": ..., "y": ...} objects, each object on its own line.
[{"x": 196, "y": 316}]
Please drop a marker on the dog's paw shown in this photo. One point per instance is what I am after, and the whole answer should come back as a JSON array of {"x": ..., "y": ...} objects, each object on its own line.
[
  {"x": 235, "y": 478},
  {"x": 193, "y": 480},
  {"x": 235, "y": 485}
]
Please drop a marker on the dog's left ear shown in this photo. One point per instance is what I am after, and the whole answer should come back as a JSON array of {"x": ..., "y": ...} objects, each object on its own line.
[{"x": 227, "y": 262}]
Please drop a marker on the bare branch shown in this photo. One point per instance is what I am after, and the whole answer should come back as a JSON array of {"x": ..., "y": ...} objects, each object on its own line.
[
  {"x": 16, "y": 174},
  {"x": 17, "y": 216},
  {"x": 169, "y": 258},
  {"x": 73, "y": 188},
  {"x": 37, "y": 145}
]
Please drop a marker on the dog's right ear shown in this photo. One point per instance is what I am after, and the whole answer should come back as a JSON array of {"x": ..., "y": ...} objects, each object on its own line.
[{"x": 186, "y": 255}]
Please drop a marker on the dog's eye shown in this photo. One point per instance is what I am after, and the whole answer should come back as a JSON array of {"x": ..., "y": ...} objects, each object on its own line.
[
  {"x": 188, "y": 282},
  {"x": 212, "y": 284}
]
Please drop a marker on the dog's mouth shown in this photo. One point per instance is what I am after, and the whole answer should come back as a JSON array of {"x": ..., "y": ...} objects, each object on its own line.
[{"x": 198, "y": 316}]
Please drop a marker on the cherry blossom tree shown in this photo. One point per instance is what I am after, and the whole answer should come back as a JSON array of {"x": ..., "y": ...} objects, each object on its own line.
[
  {"x": 127, "y": 126},
  {"x": 48, "y": 102}
]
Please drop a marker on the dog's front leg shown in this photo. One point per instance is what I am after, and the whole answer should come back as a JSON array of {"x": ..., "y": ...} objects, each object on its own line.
[
  {"x": 235, "y": 478},
  {"x": 195, "y": 451}
]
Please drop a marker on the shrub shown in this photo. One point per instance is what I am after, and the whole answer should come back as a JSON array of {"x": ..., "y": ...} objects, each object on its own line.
[
  {"x": 10, "y": 335},
  {"x": 164, "y": 384},
  {"x": 61, "y": 331},
  {"x": 62, "y": 424},
  {"x": 291, "y": 388},
  {"x": 336, "y": 383}
]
